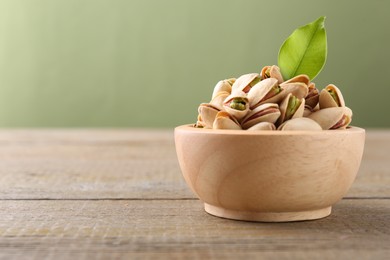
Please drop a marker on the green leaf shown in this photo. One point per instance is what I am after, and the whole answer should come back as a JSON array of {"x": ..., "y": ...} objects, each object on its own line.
[{"x": 304, "y": 51}]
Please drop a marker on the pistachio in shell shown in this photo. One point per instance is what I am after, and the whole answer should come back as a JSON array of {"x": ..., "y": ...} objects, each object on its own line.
[
  {"x": 297, "y": 89},
  {"x": 266, "y": 91},
  {"x": 245, "y": 82},
  {"x": 312, "y": 96},
  {"x": 331, "y": 96},
  {"x": 223, "y": 120},
  {"x": 262, "y": 126},
  {"x": 218, "y": 100},
  {"x": 222, "y": 86},
  {"x": 200, "y": 123},
  {"x": 231, "y": 81},
  {"x": 345, "y": 120},
  {"x": 207, "y": 113},
  {"x": 271, "y": 72},
  {"x": 268, "y": 112},
  {"x": 332, "y": 117},
  {"x": 302, "y": 78},
  {"x": 291, "y": 107},
  {"x": 300, "y": 123},
  {"x": 237, "y": 104}
]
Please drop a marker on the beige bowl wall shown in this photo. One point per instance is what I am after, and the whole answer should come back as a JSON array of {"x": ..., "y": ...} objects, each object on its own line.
[{"x": 269, "y": 175}]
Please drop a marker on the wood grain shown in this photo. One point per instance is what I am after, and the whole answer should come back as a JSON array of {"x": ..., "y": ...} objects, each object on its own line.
[
  {"x": 93, "y": 164},
  {"x": 269, "y": 175},
  {"x": 107, "y": 229},
  {"x": 119, "y": 194},
  {"x": 89, "y": 164}
]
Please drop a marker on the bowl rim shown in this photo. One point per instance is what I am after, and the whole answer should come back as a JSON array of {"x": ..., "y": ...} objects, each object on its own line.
[{"x": 189, "y": 128}]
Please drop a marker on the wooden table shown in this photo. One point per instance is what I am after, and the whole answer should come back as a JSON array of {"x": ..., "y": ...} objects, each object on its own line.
[{"x": 109, "y": 194}]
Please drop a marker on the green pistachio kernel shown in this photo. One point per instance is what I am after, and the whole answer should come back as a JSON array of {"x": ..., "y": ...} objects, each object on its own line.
[
  {"x": 268, "y": 72},
  {"x": 334, "y": 96},
  {"x": 276, "y": 89},
  {"x": 255, "y": 81},
  {"x": 293, "y": 105},
  {"x": 238, "y": 104}
]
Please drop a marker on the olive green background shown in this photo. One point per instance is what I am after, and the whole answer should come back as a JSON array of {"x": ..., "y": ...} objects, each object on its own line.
[{"x": 143, "y": 63}]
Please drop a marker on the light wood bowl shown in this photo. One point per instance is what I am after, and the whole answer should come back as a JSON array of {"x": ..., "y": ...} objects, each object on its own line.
[{"x": 269, "y": 176}]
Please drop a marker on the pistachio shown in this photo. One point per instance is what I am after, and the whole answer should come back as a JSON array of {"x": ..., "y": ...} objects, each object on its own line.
[
  {"x": 221, "y": 86},
  {"x": 333, "y": 93},
  {"x": 207, "y": 113},
  {"x": 302, "y": 78},
  {"x": 218, "y": 100},
  {"x": 238, "y": 103},
  {"x": 332, "y": 117},
  {"x": 262, "y": 126},
  {"x": 331, "y": 96},
  {"x": 274, "y": 91},
  {"x": 231, "y": 81},
  {"x": 298, "y": 89},
  {"x": 312, "y": 96},
  {"x": 271, "y": 72},
  {"x": 300, "y": 123},
  {"x": 267, "y": 73},
  {"x": 266, "y": 91},
  {"x": 268, "y": 112},
  {"x": 224, "y": 120},
  {"x": 243, "y": 83},
  {"x": 292, "y": 107},
  {"x": 264, "y": 101},
  {"x": 254, "y": 82},
  {"x": 199, "y": 123}
]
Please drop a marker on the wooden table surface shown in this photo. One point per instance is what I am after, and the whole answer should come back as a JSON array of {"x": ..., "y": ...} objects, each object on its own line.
[{"x": 110, "y": 194}]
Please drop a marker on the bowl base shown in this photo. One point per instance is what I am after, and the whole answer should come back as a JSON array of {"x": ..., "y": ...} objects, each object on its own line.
[{"x": 267, "y": 216}]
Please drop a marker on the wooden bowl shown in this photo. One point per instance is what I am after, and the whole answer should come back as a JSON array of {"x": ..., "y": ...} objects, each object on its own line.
[{"x": 269, "y": 175}]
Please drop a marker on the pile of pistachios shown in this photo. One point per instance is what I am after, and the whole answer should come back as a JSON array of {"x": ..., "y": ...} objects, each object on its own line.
[{"x": 264, "y": 101}]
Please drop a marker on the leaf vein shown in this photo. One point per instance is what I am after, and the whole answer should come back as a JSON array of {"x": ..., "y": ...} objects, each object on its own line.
[{"x": 306, "y": 48}]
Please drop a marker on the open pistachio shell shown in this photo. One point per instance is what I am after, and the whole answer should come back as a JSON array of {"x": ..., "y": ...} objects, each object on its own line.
[
  {"x": 224, "y": 120},
  {"x": 262, "y": 126},
  {"x": 231, "y": 81},
  {"x": 222, "y": 86},
  {"x": 271, "y": 72},
  {"x": 300, "y": 123},
  {"x": 291, "y": 107},
  {"x": 200, "y": 123},
  {"x": 266, "y": 91},
  {"x": 348, "y": 112},
  {"x": 313, "y": 96},
  {"x": 345, "y": 120},
  {"x": 299, "y": 78},
  {"x": 332, "y": 117},
  {"x": 297, "y": 89},
  {"x": 218, "y": 100},
  {"x": 245, "y": 82},
  {"x": 331, "y": 96},
  {"x": 207, "y": 114},
  {"x": 268, "y": 112},
  {"x": 237, "y": 105}
]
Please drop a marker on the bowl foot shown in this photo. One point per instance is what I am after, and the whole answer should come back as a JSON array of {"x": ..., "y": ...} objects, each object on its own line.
[{"x": 267, "y": 216}]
